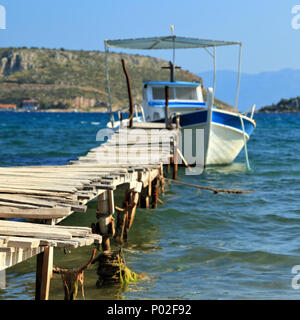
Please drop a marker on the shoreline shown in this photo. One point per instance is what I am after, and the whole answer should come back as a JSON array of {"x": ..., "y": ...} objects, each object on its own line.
[
  {"x": 62, "y": 111},
  {"x": 103, "y": 110}
]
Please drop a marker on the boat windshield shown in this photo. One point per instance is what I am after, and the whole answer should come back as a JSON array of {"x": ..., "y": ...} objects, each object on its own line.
[{"x": 175, "y": 93}]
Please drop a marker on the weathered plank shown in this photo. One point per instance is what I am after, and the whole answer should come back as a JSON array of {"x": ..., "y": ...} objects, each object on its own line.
[
  {"x": 40, "y": 213},
  {"x": 21, "y": 242},
  {"x": 34, "y": 233}
]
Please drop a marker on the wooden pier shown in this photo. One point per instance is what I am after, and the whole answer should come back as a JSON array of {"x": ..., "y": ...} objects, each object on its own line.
[{"x": 45, "y": 195}]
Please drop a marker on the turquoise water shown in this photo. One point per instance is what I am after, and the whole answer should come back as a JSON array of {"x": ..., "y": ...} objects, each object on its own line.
[{"x": 194, "y": 246}]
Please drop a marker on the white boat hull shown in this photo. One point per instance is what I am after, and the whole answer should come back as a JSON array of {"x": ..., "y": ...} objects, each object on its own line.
[
  {"x": 223, "y": 141},
  {"x": 224, "y": 145}
]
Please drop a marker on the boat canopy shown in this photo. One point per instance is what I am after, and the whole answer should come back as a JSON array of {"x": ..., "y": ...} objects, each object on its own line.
[{"x": 168, "y": 42}]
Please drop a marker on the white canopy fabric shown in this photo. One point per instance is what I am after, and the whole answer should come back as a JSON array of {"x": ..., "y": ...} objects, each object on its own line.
[{"x": 169, "y": 42}]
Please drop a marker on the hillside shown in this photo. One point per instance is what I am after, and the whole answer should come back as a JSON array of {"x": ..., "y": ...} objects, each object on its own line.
[
  {"x": 283, "y": 106},
  {"x": 76, "y": 79},
  {"x": 68, "y": 79}
]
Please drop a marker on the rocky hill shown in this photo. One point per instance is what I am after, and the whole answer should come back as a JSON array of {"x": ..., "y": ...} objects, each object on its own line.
[
  {"x": 283, "y": 106},
  {"x": 76, "y": 79},
  {"x": 68, "y": 79}
]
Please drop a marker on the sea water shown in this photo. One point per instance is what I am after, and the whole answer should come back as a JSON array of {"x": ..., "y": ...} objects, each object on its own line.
[{"x": 195, "y": 245}]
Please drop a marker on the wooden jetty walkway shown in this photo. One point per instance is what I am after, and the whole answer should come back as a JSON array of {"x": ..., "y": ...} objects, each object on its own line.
[{"x": 42, "y": 196}]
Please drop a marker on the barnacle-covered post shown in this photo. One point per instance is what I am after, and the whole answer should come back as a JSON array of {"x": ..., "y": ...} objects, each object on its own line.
[{"x": 106, "y": 209}]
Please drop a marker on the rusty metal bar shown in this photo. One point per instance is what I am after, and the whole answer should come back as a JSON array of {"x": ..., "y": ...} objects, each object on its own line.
[
  {"x": 129, "y": 94},
  {"x": 167, "y": 113}
]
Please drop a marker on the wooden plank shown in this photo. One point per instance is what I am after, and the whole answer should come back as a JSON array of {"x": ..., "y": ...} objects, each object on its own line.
[
  {"x": 32, "y": 242},
  {"x": 56, "y": 199},
  {"x": 37, "y": 201},
  {"x": 86, "y": 195},
  {"x": 42, "y": 242},
  {"x": 40, "y": 213},
  {"x": 6, "y": 249},
  {"x": 37, "y": 192},
  {"x": 34, "y": 230},
  {"x": 34, "y": 233},
  {"x": 17, "y": 205},
  {"x": 40, "y": 228},
  {"x": 39, "y": 187},
  {"x": 97, "y": 169},
  {"x": 49, "y": 175},
  {"x": 46, "y": 181},
  {"x": 25, "y": 200},
  {"x": 21, "y": 242}
]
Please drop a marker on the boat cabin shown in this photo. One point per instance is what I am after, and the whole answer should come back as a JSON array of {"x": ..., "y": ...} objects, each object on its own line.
[{"x": 184, "y": 97}]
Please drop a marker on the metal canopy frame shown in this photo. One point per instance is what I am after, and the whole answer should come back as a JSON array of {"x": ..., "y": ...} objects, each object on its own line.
[
  {"x": 156, "y": 43},
  {"x": 170, "y": 42}
]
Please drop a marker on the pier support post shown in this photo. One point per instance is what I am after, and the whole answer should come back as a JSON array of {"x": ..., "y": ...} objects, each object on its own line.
[
  {"x": 135, "y": 196},
  {"x": 122, "y": 218},
  {"x": 43, "y": 273},
  {"x": 174, "y": 159},
  {"x": 126, "y": 215},
  {"x": 149, "y": 190},
  {"x": 162, "y": 180},
  {"x": 44, "y": 267},
  {"x": 146, "y": 192},
  {"x": 106, "y": 209},
  {"x": 144, "y": 198},
  {"x": 155, "y": 192},
  {"x": 175, "y": 146}
]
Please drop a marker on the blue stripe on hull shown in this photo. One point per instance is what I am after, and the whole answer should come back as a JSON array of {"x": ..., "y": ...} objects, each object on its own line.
[
  {"x": 195, "y": 118},
  {"x": 200, "y": 117},
  {"x": 176, "y": 104},
  {"x": 232, "y": 121},
  {"x": 190, "y": 119}
]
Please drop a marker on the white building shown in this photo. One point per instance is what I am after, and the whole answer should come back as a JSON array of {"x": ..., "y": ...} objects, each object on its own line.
[{"x": 29, "y": 105}]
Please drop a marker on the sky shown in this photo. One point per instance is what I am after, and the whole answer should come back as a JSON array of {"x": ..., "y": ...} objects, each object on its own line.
[{"x": 270, "y": 42}]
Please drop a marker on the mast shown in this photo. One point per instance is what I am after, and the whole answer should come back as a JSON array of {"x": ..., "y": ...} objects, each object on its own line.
[{"x": 173, "y": 64}]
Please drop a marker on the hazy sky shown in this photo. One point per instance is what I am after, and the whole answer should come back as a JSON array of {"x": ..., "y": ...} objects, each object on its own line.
[{"x": 264, "y": 26}]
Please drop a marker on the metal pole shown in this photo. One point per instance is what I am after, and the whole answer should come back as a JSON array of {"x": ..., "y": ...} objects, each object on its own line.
[
  {"x": 213, "y": 55},
  {"x": 108, "y": 85},
  {"x": 172, "y": 72},
  {"x": 239, "y": 78},
  {"x": 167, "y": 113},
  {"x": 215, "y": 69},
  {"x": 173, "y": 65}
]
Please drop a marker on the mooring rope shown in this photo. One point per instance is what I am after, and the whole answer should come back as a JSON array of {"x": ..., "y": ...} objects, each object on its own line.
[
  {"x": 245, "y": 143},
  {"x": 214, "y": 190}
]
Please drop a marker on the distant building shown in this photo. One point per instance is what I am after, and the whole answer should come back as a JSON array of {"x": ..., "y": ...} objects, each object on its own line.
[
  {"x": 29, "y": 105},
  {"x": 8, "y": 107}
]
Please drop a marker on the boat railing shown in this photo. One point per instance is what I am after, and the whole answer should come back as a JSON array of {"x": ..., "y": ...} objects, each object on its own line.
[
  {"x": 139, "y": 108},
  {"x": 252, "y": 110}
]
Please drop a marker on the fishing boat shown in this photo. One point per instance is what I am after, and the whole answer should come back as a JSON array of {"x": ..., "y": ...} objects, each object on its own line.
[{"x": 226, "y": 132}]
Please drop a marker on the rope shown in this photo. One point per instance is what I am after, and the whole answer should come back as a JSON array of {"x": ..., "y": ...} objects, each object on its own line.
[
  {"x": 215, "y": 191},
  {"x": 245, "y": 143}
]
